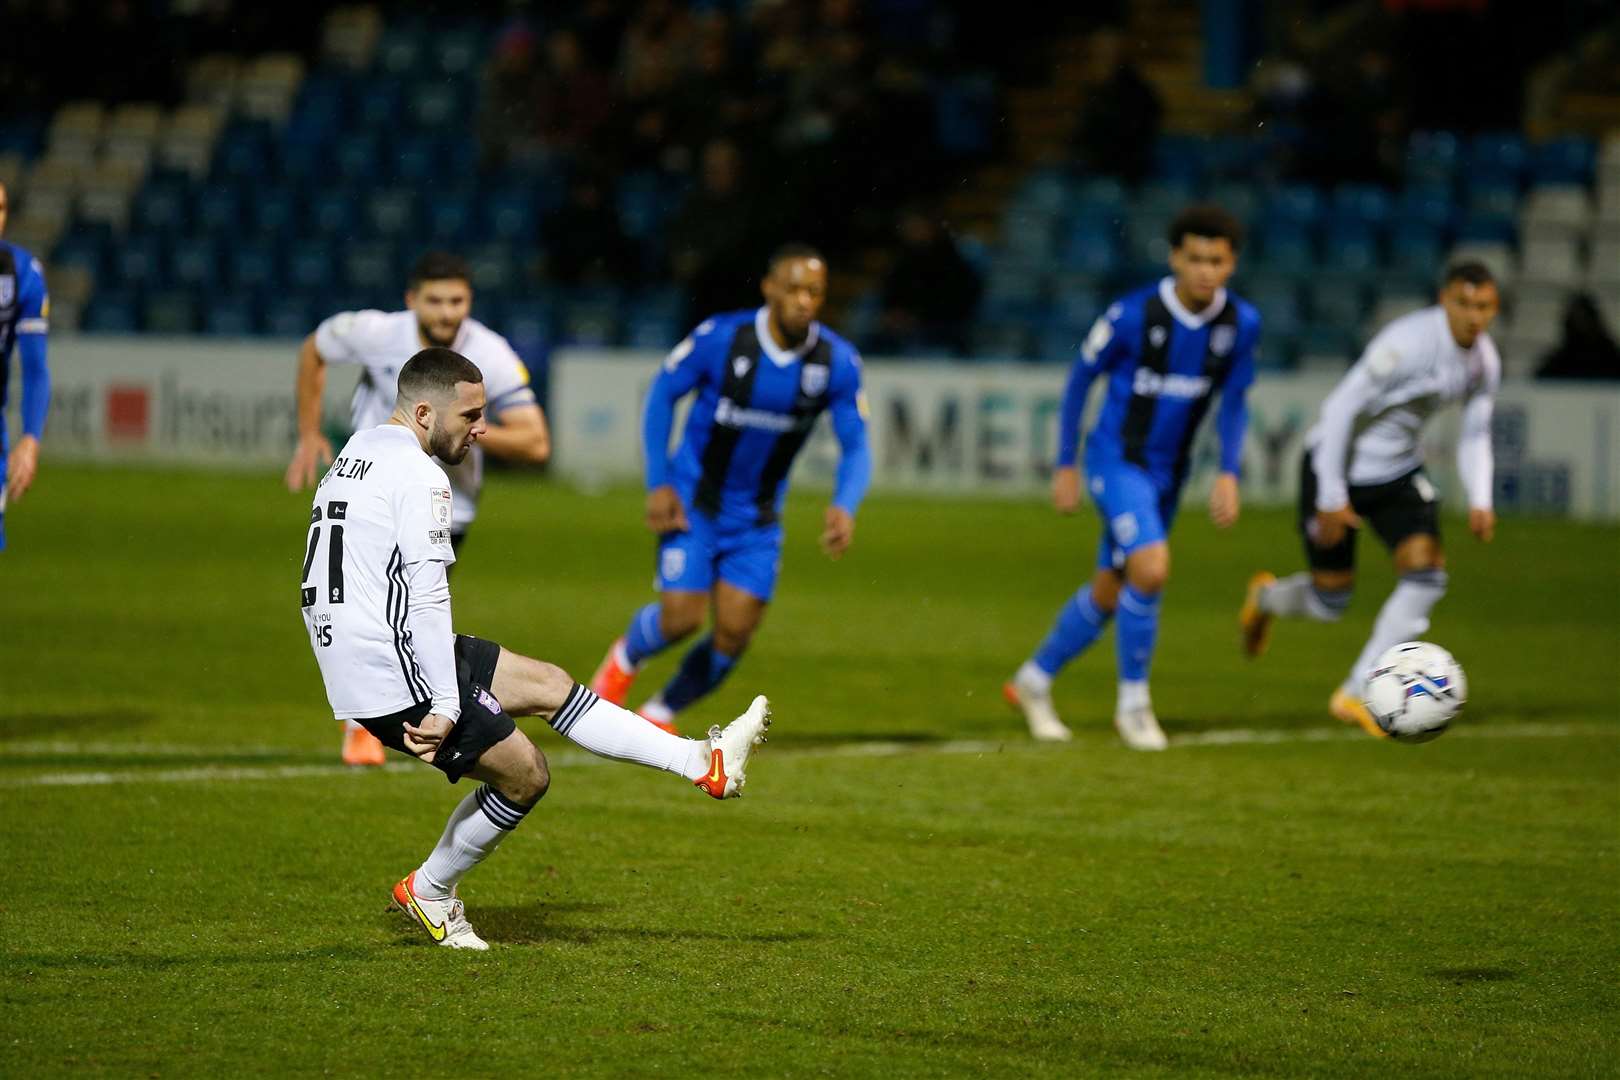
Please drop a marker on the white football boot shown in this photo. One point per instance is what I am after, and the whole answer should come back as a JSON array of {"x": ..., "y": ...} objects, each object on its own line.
[
  {"x": 1140, "y": 728},
  {"x": 444, "y": 920},
  {"x": 730, "y": 749},
  {"x": 1035, "y": 702}
]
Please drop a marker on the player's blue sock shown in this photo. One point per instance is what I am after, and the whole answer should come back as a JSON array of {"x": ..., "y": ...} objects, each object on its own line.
[
  {"x": 644, "y": 638},
  {"x": 1077, "y": 626},
  {"x": 702, "y": 669},
  {"x": 1138, "y": 629}
]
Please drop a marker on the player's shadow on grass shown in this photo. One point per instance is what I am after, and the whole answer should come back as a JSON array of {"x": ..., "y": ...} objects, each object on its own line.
[
  {"x": 541, "y": 923},
  {"x": 35, "y": 725}
]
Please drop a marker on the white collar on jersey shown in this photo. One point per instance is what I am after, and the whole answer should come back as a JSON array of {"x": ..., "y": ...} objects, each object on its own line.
[
  {"x": 1167, "y": 293},
  {"x": 779, "y": 356}
]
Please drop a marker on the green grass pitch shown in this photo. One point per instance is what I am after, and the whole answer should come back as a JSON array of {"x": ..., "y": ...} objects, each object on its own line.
[{"x": 911, "y": 887}]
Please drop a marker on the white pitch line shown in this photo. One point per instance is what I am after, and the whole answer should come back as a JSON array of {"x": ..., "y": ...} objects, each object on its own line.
[{"x": 574, "y": 758}]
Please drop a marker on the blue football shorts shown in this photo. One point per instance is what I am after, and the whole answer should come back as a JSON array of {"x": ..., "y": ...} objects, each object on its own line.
[
  {"x": 1135, "y": 510},
  {"x": 747, "y": 556}
]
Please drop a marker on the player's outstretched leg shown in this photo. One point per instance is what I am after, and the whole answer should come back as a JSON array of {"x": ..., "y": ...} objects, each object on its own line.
[
  {"x": 1146, "y": 571},
  {"x": 515, "y": 778},
  {"x": 360, "y": 747},
  {"x": 1078, "y": 624},
  {"x": 1315, "y": 596},
  {"x": 737, "y": 614},
  {"x": 528, "y": 687},
  {"x": 703, "y": 668}
]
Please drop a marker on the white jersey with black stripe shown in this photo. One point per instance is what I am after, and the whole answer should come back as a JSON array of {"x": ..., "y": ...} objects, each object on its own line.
[
  {"x": 381, "y": 342},
  {"x": 372, "y": 590}
]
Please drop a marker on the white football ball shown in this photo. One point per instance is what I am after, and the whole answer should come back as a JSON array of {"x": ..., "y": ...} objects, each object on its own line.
[{"x": 1414, "y": 691}]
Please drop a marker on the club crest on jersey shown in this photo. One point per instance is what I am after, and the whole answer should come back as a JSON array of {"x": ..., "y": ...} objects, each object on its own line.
[
  {"x": 1157, "y": 335},
  {"x": 1221, "y": 340},
  {"x": 813, "y": 379},
  {"x": 440, "y": 501},
  {"x": 8, "y": 289},
  {"x": 739, "y": 365}
]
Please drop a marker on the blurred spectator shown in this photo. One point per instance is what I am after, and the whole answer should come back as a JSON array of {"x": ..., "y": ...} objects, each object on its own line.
[
  {"x": 572, "y": 99},
  {"x": 583, "y": 240},
  {"x": 715, "y": 241},
  {"x": 1119, "y": 115},
  {"x": 931, "y": 291},
  {"x": 507, "y": 120},
  {"x": 1588, "y": 350}
]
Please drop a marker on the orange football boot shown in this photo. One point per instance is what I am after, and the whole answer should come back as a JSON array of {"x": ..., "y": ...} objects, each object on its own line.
[
  {"x": 362, "y": 748},
  {"x": 611, "y": 681}
]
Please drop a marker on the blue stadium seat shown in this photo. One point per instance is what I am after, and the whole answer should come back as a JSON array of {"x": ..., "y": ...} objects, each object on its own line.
[
  {"x": 589, "y": 324},
  {"x": 1181, "y": 159},
  {"x": 1425, "y": 205},
  {"x": 1286, "y": 247},
  {"x": 528, "y": 326},
  {"x": 1499, "y": 157},
  {"x": 372, "y": 268},
  {"x": 1092, "y": 248},
  {"x": 494, "y": 269},
  {"x": 391, "y": 212},
  {"x": 1014, "y": 289},
  {"x": 457, "y": 52},
  {"x": 1365, "y": 203},
  {"x": 83, "y": 248},
  {"x": 274, "y": 211},
  {"x": 1044, "y": 192},
  {"x": 163, "y": 206},
  {"x": 1325, "y": 340},
  {"x": 1432, "y": 157},
  {"x": 377, "y": 104},
  {"x": 510, "y": 216},
  {"x": 1101, "y": 196},
  {"x": 170, "y": 311},
  {"x": 436, "y": 105},
  {"x": 111, "y": 311},
  {"x": 358, "y": 159},
  {"x": 965, "y": 111},
  {"x": 650, "y": 330},
  {"x": 1491, "y": 198},
  {"x": 290, "y": 315},
  {"x": 1028, "y": 236},
  {"x": 1076, "y": 300},
  {"x": 1416, "y": 247},
  {"x": 233, "y": 314},
  {"x": 1297, "y": 204},
  {"x": 241, "y": 151},
  {"x": 304, "y": 164},
  {"x": 194, "y": 261},
  {"x": 1161, "y": 199},
  {"x": 309, "y": 268},
  {"x": 641, "y": 204},
  {"x": 1488, "y": 228},
  {"x": 1238, "y": 198},
  {"x": 450, "y": 217},
  {"x": 218, "y": 210},
  {"x": 1002, "y": 341},
  {"x": 1278, "y": 301},
  {"x": 1568, "y": 160},
  {"x": 1059, "y": 340},
  {"x": 1338, "y": 302},
  {"x": 252, "y": 264},
  {"x": 1351, "y": 246},
  {"x": 402, "y": 48},
  {"x": 137, "y": 261},
  {"x": 332, "y": 211}
]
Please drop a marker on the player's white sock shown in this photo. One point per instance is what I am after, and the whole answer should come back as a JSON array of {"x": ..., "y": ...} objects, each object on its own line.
[
  {"x": 1032, "y": 680},
  {"x": 1133, "y": 694},
  {"x": 622, "y": 657},
  {"x": 1404, "y": 617},
  {"x": 1295, "y": 596},
  {"x": 603, "y": 728},
  {"x": 476, "y": 827}
]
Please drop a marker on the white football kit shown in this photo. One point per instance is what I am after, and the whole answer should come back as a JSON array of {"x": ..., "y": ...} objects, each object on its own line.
[
  {"x": 374, "y": 590},
  {"x": 1371, "y": 427},
  {"x": 381, "y": 341}
]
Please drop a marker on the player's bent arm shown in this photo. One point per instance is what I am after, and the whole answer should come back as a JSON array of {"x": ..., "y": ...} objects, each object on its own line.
[
  {"x": 520, "y": 434},
  {"x": 427, "y": 616},
  {"x": 1332, "y": 452}
]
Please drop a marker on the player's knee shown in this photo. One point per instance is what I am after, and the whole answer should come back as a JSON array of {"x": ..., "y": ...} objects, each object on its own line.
[
  {"x": 1419, "y": 553},
  {"x": 732, "y": 639},
  {"x": 1150, "y": 574},
  {"x": 679, "y": 619}
]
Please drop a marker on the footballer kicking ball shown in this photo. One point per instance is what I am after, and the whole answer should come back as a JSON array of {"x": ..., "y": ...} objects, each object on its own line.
[{"x": 1414, "y": 691}]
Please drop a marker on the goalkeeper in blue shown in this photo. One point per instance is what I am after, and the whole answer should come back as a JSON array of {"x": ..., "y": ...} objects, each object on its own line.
[
  {"x": 759, "y": 381},
  {"x": 24, "y": 308},
  {"x": 1166, "y": 352}
]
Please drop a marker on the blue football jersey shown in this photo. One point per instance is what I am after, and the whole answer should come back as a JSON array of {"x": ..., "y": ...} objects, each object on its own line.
[
  {"x": 755, "y": 407},
  {"x": 24, "y": 308},
  {"x": 1164, "y": 366}
]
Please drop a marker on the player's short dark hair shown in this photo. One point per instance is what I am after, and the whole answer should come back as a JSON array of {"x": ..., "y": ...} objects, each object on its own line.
[
  {"x": 1471, "y": 271},
  {"x": 432, "y": 375},
  {"x": 792, "y": 251},
  {"x": 1206, "y": 220},
  {"x": 439, "y": 266}
]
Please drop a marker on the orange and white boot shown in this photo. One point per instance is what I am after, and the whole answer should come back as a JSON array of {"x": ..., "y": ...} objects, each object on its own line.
[
  {"x": 1347, "y": 708},
  {"x": 614, "y": 675},
  {"x": 729, "y": 751},
  {"x": 444, "y": 920},
  {"x": 361, "y": 747}
]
